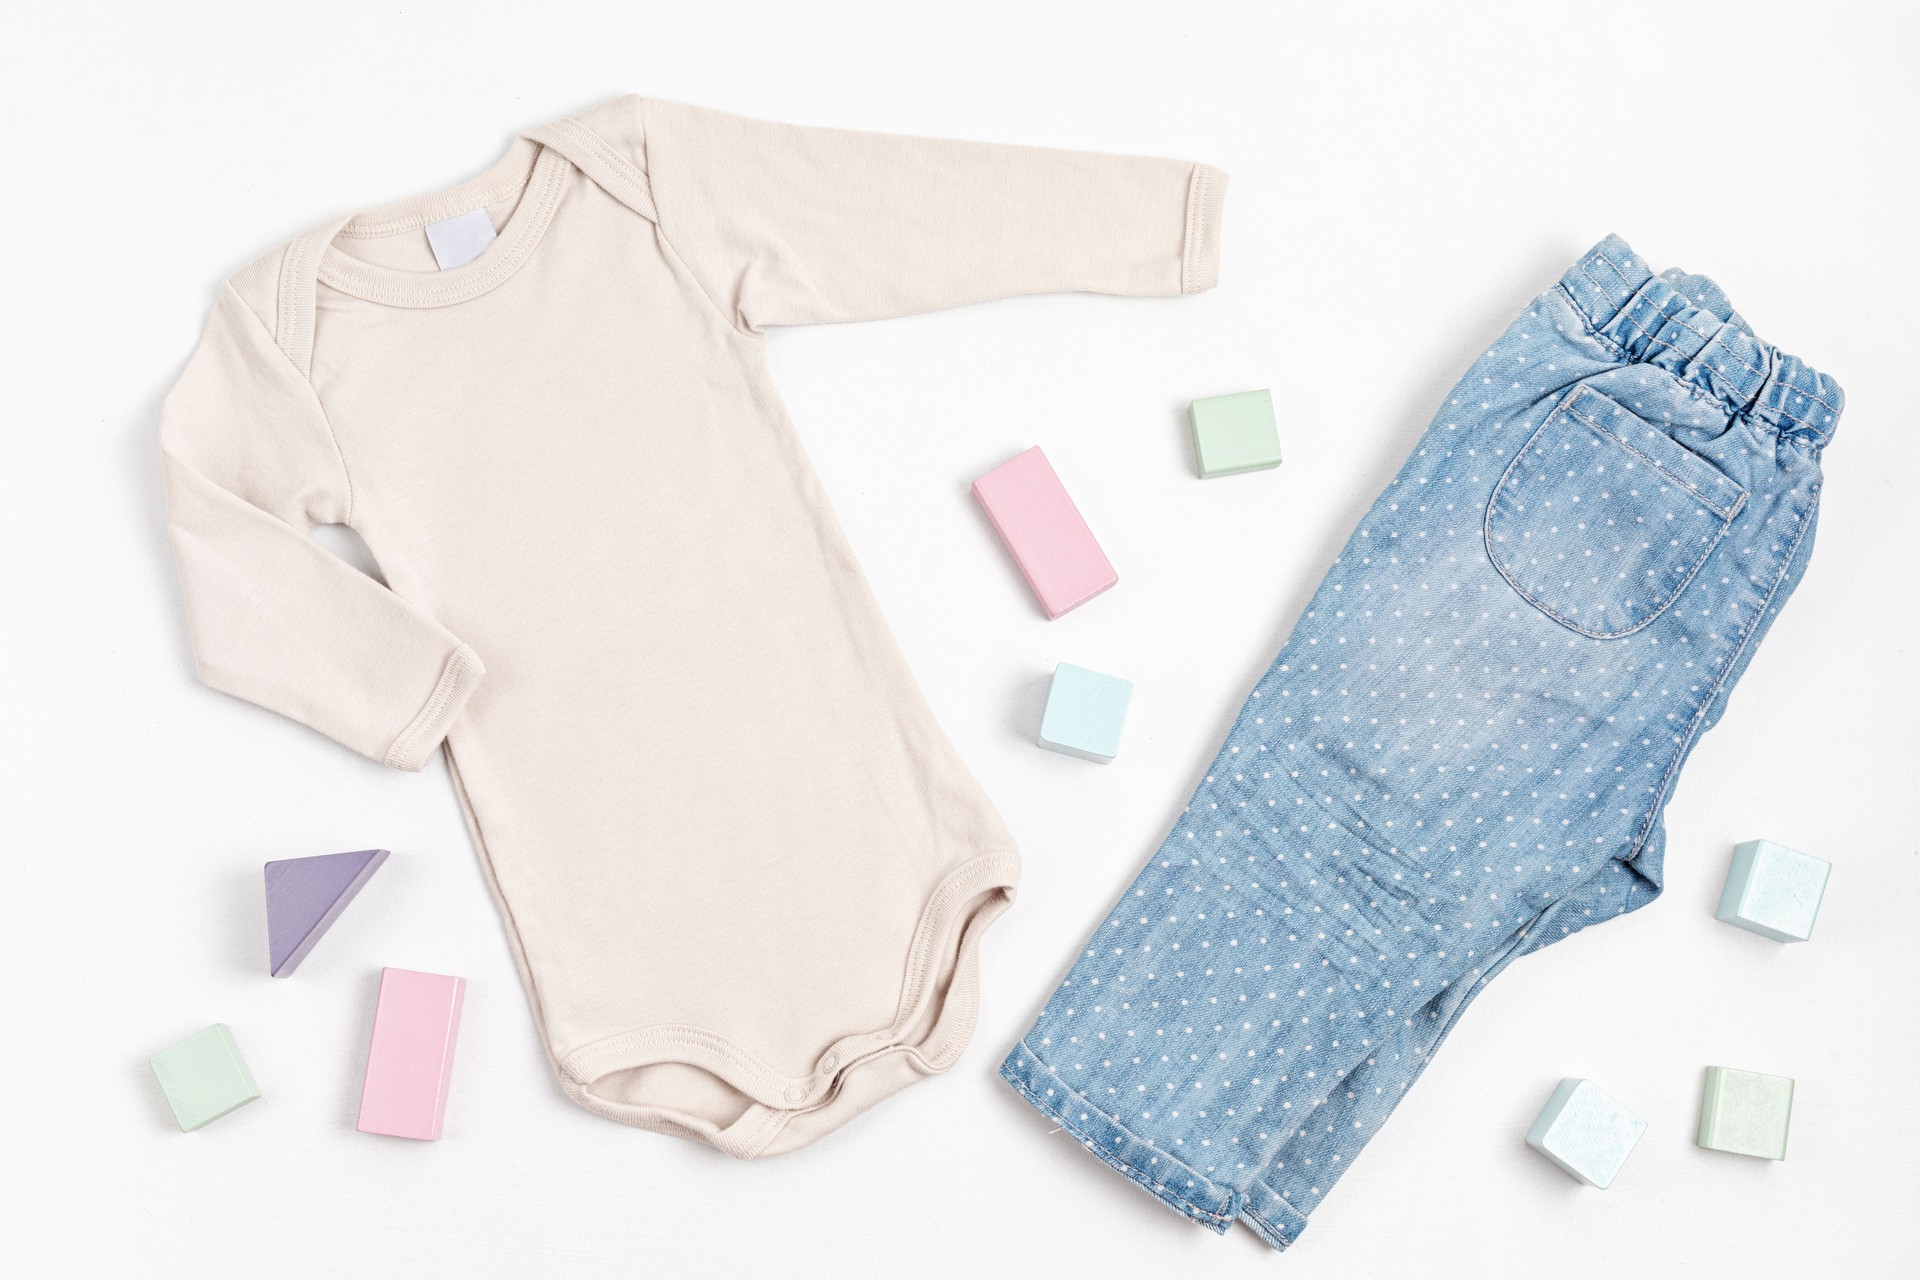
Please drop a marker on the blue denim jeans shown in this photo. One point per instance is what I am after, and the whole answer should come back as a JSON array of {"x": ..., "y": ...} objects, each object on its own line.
[{"x": 1460, "y": 755}]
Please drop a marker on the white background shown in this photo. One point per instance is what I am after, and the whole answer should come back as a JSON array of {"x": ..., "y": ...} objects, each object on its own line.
[{"x": 1402, "y": 183}]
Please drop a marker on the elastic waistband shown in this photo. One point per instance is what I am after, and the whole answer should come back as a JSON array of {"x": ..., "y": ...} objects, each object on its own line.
[{"x": 1684, "y": 324}]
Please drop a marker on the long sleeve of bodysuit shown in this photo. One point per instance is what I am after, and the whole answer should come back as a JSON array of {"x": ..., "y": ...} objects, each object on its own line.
[
  {"x": 784, "y": 224},
  {"x": 251, "y": 469}
]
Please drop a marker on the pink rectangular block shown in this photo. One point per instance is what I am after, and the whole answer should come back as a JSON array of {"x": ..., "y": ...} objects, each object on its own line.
[
  {"x": 1043, "y": 530},
  {"x": 410, "y": 1060}
]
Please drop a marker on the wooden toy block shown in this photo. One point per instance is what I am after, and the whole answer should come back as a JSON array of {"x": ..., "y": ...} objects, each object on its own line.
[
  {"x": 1085, "y": 712},
  {"x": 1586, "y": 1132},
  {"x": 1234, "y": 433},
  {"x": 1746, "y": 1113},
  {"x": 305, "y": 896},
  {"x": 1773, "y": 891},
  {"x": 410, "y": 1061},
  {"x": 204, "y": 1077},
  {"x": 1033, "y": 515}
]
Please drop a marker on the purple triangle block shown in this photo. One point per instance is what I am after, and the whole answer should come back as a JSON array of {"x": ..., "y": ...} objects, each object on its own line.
[{"x": 306, "y": 895}]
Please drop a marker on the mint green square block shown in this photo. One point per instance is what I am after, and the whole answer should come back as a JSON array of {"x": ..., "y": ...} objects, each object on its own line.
[
  {"x": 1235, "y": 433},
  {"x": 1746, "y": 1113},
  {"x": 204, "y": 1077},
  {"x": 1585, "y": 1132},
  {"x": 1773, "y": 891},
  {"x": 1086, "y": 711}
]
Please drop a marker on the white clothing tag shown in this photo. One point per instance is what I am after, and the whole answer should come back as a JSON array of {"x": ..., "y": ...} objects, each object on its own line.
[{"x": 460, "y": 239}]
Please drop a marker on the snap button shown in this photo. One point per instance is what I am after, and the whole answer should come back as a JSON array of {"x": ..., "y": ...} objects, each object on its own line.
[
  {"x": 829, "y": 1062},
  {"x": 795, "y": 1093}
]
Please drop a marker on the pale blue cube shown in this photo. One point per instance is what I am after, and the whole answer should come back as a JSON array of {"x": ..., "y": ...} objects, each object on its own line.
[
  {"x": 1085, "y": 712},
  {"x": 1773, "y": 891},
  {"x": 1585, "y": 1132}
]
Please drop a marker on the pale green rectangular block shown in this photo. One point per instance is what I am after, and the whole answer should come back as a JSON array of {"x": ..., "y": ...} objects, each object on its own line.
[
  {"x": 1234, "y": 433},
  {"x": 204, "y": 1077},
  {"x": 1086, "y": 710},
  {"x": 1746, "y": 1113},
  {"x": 1773, "y": 891}
]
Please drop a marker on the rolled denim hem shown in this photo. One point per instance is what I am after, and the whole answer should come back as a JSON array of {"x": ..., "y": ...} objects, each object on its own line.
[{"x": 1174, "y": 1183}]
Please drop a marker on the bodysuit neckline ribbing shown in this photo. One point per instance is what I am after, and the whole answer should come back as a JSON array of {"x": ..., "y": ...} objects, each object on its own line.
[{"x": 534, "y": 170}]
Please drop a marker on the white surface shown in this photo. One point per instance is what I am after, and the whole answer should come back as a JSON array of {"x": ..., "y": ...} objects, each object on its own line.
[{"x": 1401, "y": 186}]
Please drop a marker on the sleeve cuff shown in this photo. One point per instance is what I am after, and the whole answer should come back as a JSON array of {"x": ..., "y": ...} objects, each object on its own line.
[
  {"x": 458, "y": 679},
  {"x": 1200, "y": 264}
]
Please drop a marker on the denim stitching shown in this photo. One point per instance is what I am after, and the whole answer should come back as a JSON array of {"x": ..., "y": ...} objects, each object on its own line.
[
  {"x": 1627, "y": 315},
  {"x": 1627, "y": 286},
  {"x": 1675, "y": 316},
  {"x": 1271, "y": 1229},
  {"x": 1733, "y": 658},
  {"x": 1626, "y": 357},
  {"x": 1700, "y": 356},
  {"x": 1591, "y": 325},
  {"x": 1731, "y": 354},
  {"x": 1777, "y": 412},
  {"x": 1513, "y": 948},
  {"x": 1665, "y": 603},
  {"x": 1264, "y": 1185},
  {"x": 1604, "y": 292},
  {"x": 1592, "y": 329},
  {"x": 1626, "y": 281},
  {"x": 1217, "y": 1216},
  {"x": 1650, "y": 460}
]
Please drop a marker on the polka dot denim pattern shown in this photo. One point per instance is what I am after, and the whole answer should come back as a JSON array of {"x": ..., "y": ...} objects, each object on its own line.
[
  {"x": 1461, "y": 753},
  {"x": 1601, "y": 520}
]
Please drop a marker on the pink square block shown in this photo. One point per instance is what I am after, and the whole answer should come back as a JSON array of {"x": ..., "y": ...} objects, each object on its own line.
[
  {"x": 1043, "y": 530},
  {"x": 410, "y": 1060}
]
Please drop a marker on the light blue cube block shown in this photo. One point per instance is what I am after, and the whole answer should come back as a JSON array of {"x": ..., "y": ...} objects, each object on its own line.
[
  {"x": 1585, "y": 1132},
  {"x": 1774, "y": 891},
  {"x": 1085, "y": 712}
]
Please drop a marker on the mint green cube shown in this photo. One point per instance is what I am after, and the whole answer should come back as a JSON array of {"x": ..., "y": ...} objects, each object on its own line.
[
  {"x": 1235, "y": 433},
  {"x": 204, "y": 1077},
  {"x": 1773, "y": 891},
  {"x": 1586, "y": 1132},
  {"x": 1086, "y": 711},
  {"x": 1746, "y": 1113}
]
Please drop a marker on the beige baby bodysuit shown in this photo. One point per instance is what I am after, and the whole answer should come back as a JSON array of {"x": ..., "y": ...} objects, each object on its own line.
[{"x": 744, "y": 873}]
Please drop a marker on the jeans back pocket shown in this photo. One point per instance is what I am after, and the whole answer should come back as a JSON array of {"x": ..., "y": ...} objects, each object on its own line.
[{"x": 1602, "y": 518}]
